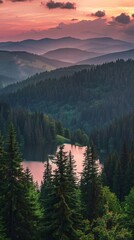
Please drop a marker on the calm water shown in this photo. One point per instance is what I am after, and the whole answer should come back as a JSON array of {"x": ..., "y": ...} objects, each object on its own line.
[
  {"x": 36, "y": 165},
  {"x": 36, "y": 161}
]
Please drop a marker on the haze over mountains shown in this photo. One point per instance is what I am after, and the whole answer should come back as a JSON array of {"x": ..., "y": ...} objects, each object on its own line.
[
  {"x": 100, "y": 45},
  {"x": 20, "y": 65},
  {"x": 20, "y": 60},
  {"x": 72, "y": 55},
  {"x": 111, "y": 57}
]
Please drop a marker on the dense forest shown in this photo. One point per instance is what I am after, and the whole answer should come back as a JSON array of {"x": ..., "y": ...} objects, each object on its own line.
[
  {"x": 96, "y": 206},
  {"x": 32, "y": 128},
  {"x": 37, "y": 129},
  {"x": 87, "y": 99},
  {"x": 112, "y": 137}
]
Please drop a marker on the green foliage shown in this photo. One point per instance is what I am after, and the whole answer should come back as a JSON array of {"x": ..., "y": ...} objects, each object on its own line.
[
  {"x": 18, "y": 200},
  {"x": 110, "y": 201},
  {"x": 62, "y": 140},
  {"x": 129, "y": 211},
  {"x": 119, "y": 171},
  {"x": 90, "y": 185},
  {"x": 110, "y": 227},
  {"x": 2, "y": 232},
  {"x": 60, "y": 200},
  {"x": 63, "y": 209}
]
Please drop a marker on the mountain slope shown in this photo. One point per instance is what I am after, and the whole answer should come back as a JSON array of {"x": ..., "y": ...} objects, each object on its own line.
[
  {"x": 125, "y": 55},
  {"x": 20, "y": 65},
  {"x": 70, "y": 54},
  {"x": 87, "y": 99},
  {"x": 39, "y": 77}
]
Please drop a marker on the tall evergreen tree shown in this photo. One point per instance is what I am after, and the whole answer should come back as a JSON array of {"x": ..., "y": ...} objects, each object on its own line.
[
  {"x": 47, "y": 201},
  {"x": 58, "y": 215},
  {"x": 17, "y": 208},
  {"x": 2, "y": 232},
  {"x": 90, "y": 185},
  {"x": 73, "y": 190},
  {"x": 2, "y": 171}
]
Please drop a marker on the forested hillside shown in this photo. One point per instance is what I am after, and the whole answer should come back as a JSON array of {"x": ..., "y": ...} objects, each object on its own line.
[
  {"x": 38, "y": 77},
  {"x": 112, "y": 137},
  {"x": 33, "y": 129},
  {"x": 88, "y": 99}
]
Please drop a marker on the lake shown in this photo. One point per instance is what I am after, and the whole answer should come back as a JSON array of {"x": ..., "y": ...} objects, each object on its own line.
[{"x": 36, "y": 166}]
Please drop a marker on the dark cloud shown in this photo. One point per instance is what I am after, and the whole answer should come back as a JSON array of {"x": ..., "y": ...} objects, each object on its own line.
[
  {"x": 20, "y": 0},
  {"x": 61, "y": 5},
  {"x": 123, "y": 18},
  {"x": 74, "y": 19},
  {"x": 99, "y": 14},
  {"x": 133, "y": 15},
  {"x": 1, "y": 1}
]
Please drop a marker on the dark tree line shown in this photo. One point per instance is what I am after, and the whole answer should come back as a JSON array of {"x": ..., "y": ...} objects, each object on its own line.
[
  {"x": 112, "y": 137},
  {"x": 119, "y": 169},
  {"x": 36, "y": 129}
]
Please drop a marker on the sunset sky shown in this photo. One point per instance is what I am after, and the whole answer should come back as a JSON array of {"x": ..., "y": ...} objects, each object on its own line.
[{"x": 22, "y": 19}]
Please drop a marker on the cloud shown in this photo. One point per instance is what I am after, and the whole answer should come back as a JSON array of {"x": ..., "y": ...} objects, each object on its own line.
[
  {"x": 74, "y": 19},
  {"x": 123, "y": 18},
  {"x": 20, "y": 0},
  {"x": 1, "y": 1},
  {"x": 99, "y": 14},
  {"x": 133, "y": 15},
  {"x": 84, "y": 29},
  {"x": 62, "y": 5},
  {"x": 130, "y": 29}
]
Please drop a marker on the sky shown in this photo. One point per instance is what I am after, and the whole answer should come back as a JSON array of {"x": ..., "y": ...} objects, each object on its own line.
[{"x": 26, "y": 19}]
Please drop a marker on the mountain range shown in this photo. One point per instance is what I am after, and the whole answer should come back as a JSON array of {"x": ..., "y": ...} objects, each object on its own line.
[
  {"x": 41, "y": 46},
  {"x": 20, "y": 60}
]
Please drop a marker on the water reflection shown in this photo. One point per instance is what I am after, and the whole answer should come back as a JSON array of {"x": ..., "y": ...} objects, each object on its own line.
[
  {"x": 35, "y": 159},
  {"x": 38, "y": 153}
]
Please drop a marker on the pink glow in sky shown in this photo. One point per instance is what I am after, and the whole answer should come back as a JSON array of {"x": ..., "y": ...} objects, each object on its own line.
[{"x": 21, "y": 19}]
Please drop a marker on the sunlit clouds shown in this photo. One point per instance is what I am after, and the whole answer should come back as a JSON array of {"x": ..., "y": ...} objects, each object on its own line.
[{"x": 22, "y": 19}]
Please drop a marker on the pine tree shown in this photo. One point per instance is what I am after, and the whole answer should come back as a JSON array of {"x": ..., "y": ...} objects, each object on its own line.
[
  {"x": 2, "y": 171},
  {"x": 2, "y": 232},
  {"x": 74, "y": 193},
  {"x": 58, "y": 215},
  {"x": 47, "y": 183},
  {"x": 90, "y": 185},
  {"x": 130, "y": 171},
  {"x": 117, "y": 179},
  {"x": 46, "y": 200},
  {"x": 18, "y": 213},
  {"x": 63, "y": 215},
  {"x": 124, "y": 160}
]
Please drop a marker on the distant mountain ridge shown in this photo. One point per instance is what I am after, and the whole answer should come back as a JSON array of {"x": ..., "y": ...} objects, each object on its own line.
[
  {"x": 41, "y": 46},
  {"x": 70, "y": 54},
  {"x": 112, "y": 57}
]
